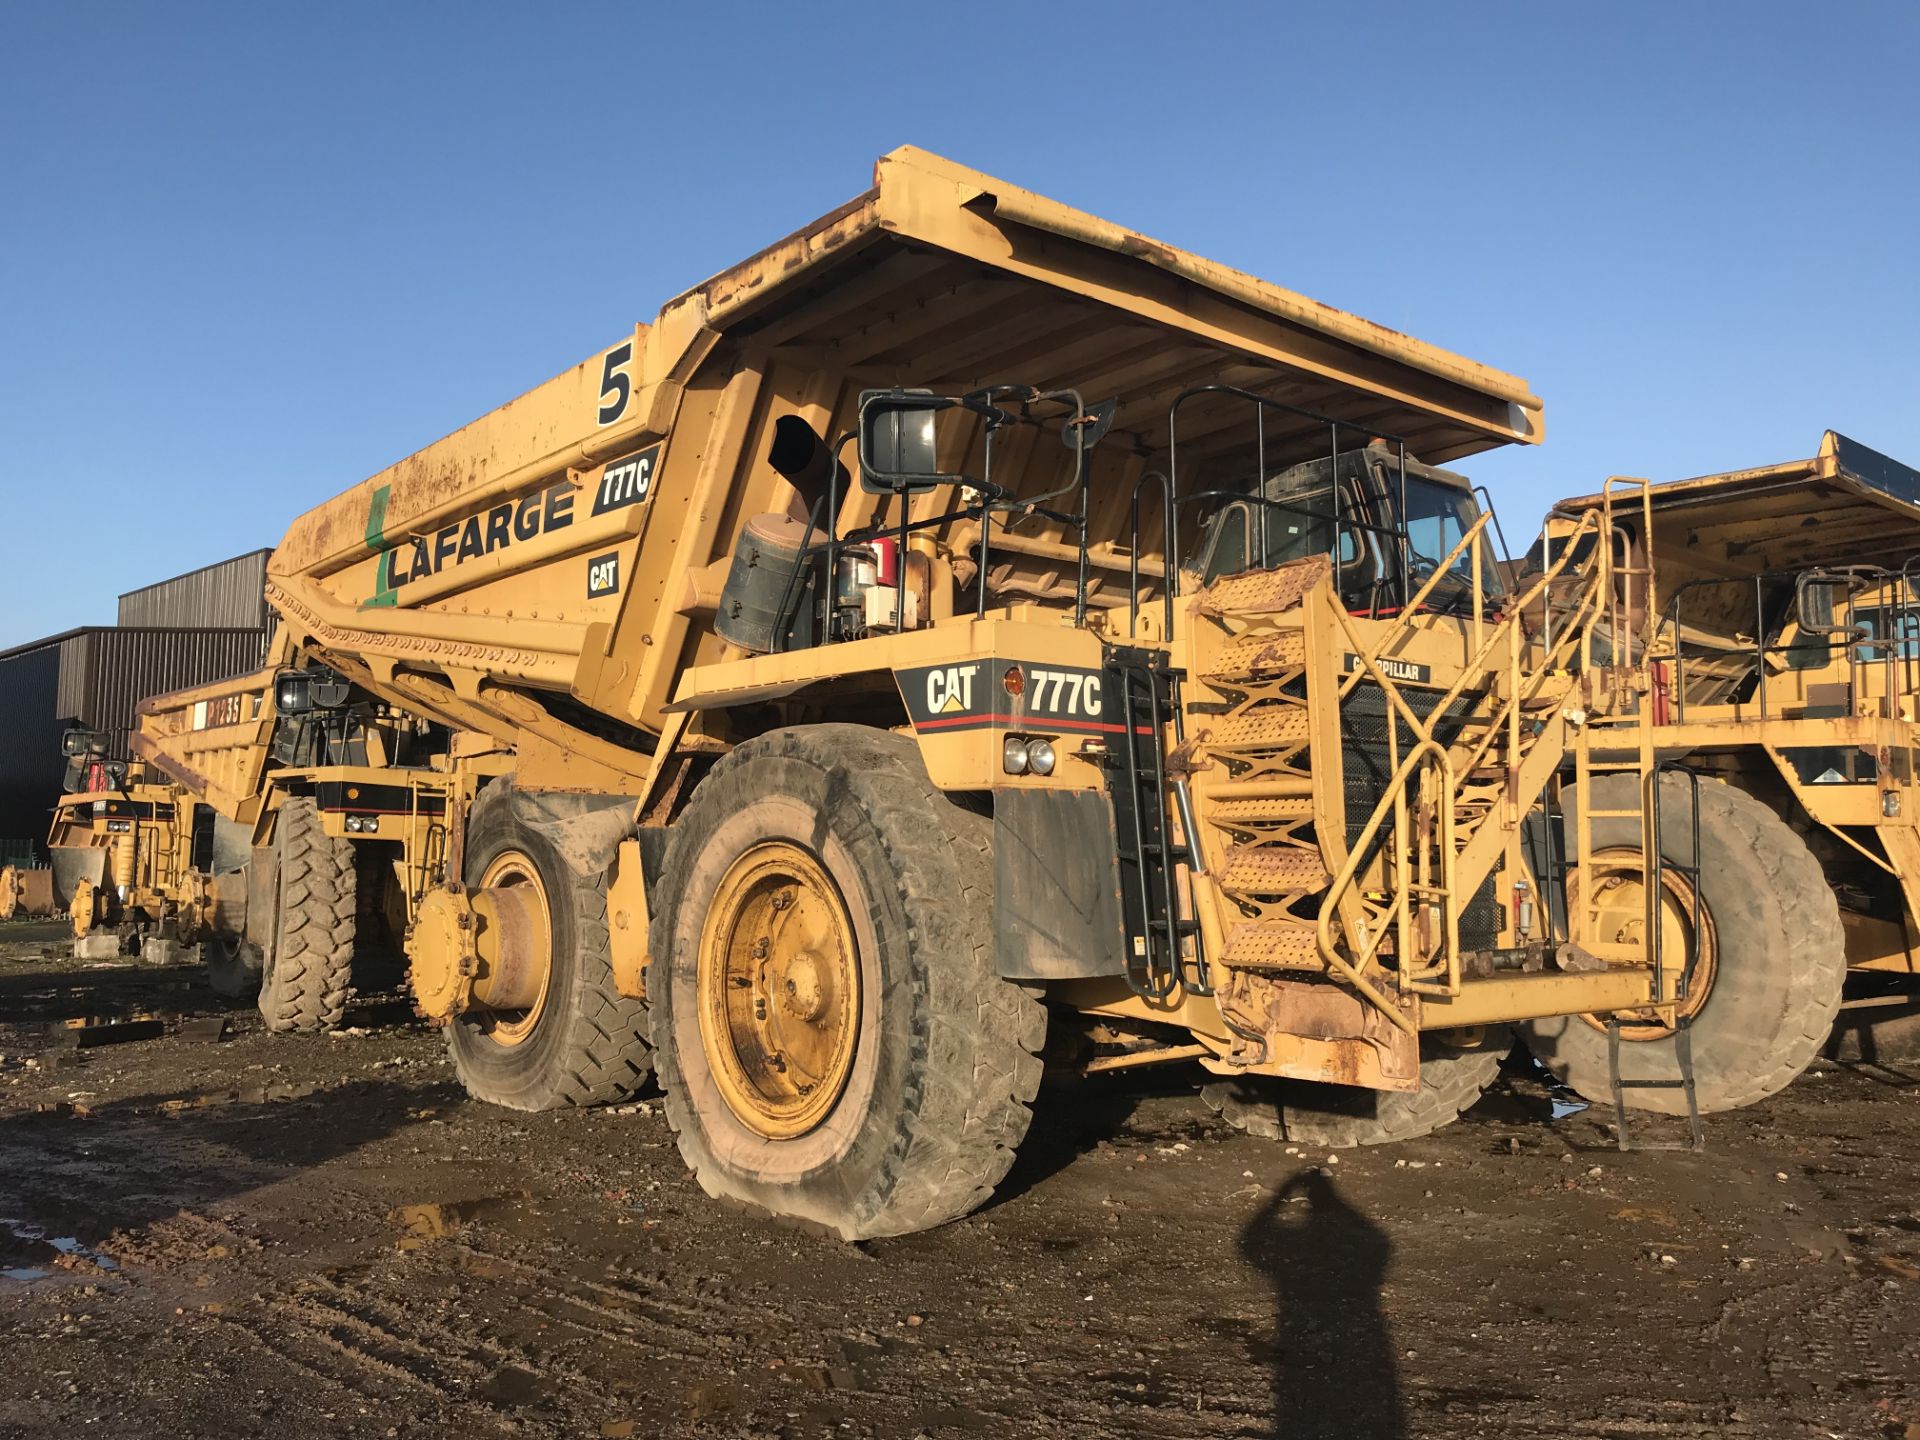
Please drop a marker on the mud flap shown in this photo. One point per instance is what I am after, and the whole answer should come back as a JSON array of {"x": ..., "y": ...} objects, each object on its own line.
[{"x": 1056, "y": 885}]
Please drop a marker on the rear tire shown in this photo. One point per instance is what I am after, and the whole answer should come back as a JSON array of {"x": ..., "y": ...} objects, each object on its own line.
[
  {"x": 1781, "y": 966},
  {"x": 587, "y": 1045},
  {"x": 233, "y": 967},
  {"x": 940, "y": 1058},
  {"x": 1341, "y": 1117},
  {"x": 307, "y": 975}
]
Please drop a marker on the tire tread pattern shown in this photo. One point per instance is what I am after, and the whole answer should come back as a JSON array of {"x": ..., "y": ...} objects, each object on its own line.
[
  {"x": 605, "y": 1058},
  {"x": 974, "y": 1067},
  {"x": 308, "y": 980},
  {"x": 1342, "y": 1117}
]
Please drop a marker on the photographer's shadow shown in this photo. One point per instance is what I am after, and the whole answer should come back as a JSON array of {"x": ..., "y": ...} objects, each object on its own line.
[{"x": 1334, "y": 1371}]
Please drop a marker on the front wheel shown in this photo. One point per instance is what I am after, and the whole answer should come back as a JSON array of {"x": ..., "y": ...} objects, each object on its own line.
[
  {"x": 306, "y": 976},
  {"x": 835, "y": 1043},
  {"x": 1764, "y": 930}
]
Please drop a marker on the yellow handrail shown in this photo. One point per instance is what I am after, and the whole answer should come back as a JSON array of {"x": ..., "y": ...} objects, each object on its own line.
[
  {"x": 1426, "y": 751},
  {"x": 1393, "y": 802}
]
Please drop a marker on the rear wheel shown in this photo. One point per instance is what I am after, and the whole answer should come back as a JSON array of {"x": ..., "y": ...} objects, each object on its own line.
[
  {"x": 1343, "y": 1116},
  {"x": 1765, "y": 930},
  {"x": 579, "y": 1041},
  {"x": 306, "y": 975},
  {"x": 233, "y": 967},
  {"x": 834, "y": 1041}
]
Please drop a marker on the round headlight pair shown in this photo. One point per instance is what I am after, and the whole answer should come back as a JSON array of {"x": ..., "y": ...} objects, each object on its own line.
[
  {"x": 363, "y": 824},
  {"x": 1027, "y": 755}
]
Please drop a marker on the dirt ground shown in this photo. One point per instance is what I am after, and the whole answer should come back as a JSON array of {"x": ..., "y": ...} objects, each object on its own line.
[{"x": 308, "y": 1236}]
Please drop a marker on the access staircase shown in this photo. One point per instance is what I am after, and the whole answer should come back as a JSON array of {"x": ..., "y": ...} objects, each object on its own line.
[{"x": 1321, "y": 882}]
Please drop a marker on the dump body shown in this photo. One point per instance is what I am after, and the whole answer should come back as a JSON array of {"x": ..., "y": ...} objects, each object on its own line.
[{"x": 539, "y": 561}]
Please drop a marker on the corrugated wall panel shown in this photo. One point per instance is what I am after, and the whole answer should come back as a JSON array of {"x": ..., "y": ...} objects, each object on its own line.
[
  {"x": 230, "y": 594},
  {"x": 105, "y": 673},
  {"x": 30, "y": 762}
]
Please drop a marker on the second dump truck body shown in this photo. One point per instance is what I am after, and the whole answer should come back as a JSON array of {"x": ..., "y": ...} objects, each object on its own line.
[{"x": 963, "y": 611}]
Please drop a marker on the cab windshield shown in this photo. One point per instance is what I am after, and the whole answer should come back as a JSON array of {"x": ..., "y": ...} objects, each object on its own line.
[
  {"x": 1299, "y": 519},
  {"x": 1437, "y": 517}
]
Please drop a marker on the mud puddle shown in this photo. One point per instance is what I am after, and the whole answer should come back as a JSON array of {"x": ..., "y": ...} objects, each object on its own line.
[{"x": 29, "y": 1253}]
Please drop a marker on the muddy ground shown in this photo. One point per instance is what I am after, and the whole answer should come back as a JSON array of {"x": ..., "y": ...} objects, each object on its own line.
[{"x": 320, "y": 1236}]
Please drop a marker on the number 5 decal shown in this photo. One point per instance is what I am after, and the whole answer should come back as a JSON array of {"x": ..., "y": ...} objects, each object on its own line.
[{"x": 616, "y": 386}]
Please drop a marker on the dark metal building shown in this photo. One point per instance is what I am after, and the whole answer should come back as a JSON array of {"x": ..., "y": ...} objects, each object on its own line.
[
  {"x": 180, "y": 632},
  {"x": 230, "y": 595}
]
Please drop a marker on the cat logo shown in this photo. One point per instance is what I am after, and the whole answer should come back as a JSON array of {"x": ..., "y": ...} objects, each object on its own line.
[
  {"x": 950, "y": 690},
  {"x": 603, "y": 575}
]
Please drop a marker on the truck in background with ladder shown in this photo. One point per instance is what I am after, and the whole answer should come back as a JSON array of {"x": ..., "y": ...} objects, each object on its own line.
[{"x": 1775, "y": 612}]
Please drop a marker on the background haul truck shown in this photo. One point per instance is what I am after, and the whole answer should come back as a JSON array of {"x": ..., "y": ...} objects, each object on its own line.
[
  {"x": 963, "y": 618},
  {"x": 132, "y": 859},
  {"x": 1785, "y": 632}
]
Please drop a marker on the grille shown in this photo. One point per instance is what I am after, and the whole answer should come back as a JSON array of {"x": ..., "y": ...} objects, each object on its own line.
[{"x": 1363, "y": 759}]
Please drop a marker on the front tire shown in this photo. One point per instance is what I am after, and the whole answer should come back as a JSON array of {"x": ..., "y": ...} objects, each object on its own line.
[
  {"x": 1779, "y": 958},
  {"x": 835, "y": 1043},
  {"x": 583, "y": 1042},
  {"x": 307, "y": 974}
]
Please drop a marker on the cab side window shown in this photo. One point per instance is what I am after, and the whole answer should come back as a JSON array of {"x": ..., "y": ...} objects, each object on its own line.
[{"x": 1228, "y": 555}]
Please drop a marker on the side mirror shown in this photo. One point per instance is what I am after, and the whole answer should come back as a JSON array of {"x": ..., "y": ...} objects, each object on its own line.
[
  {"x": 1087, "y": 430},
  {"x": 295, "y": 692},
  {"x": 897, "y": 443},
  {"x": 1813, "y": 606},
  {"x": 292, "y": 692},
  {"x": 78, "y": 744}
]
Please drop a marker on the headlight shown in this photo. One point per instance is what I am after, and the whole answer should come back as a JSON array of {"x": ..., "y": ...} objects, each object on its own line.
[
  {"x": 292, "y": 692},
  {"x": 1027, "y": 755}
]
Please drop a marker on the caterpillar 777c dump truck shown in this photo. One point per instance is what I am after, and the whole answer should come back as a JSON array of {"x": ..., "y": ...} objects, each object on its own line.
[
  {"x": 133, "y": 855},
  {"x": 1784, "y": 629},
  {"x": 963, "y": 619}
]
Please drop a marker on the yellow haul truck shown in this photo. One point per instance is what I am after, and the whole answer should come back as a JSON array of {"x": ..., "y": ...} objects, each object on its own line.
[
  {"x": 962, "y": 621},
  {"x": 1779, "y": 611},
  {"x": 130, "y": 852},
  {"x": 339, "y": 801}
]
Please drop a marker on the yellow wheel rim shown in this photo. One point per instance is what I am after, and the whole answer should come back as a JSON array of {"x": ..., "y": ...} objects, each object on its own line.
[
  {"x": 778, "y": 990},
  {"x": 511, "y": 868},
  {"x": 1619, "y": 915}
]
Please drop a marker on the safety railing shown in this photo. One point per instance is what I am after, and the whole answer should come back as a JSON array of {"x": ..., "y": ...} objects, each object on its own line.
[
  {"x": 1430, "y": 872},
  {"x": 1886, "y": 646},
  {"x": 1340, "y": 517}
]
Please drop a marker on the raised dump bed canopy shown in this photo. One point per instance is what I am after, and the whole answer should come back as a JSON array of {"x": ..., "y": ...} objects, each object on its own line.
[
  {"x": 937, "y": 277},
  {"x": 1845, "y": 505}
]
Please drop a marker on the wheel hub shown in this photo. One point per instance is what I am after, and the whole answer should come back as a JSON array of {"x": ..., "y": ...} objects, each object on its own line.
[
  {"x": 1619, "y": 911},
  {"x": 485, "y": 952},
  {"x": 778, "y": 985}
]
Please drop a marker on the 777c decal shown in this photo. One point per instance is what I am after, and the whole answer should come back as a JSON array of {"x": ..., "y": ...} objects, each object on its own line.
[{"x": 1007, "y": 694}]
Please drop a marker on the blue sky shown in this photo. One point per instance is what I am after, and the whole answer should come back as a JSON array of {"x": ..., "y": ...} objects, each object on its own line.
[{"x": 250, "y": 254}]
